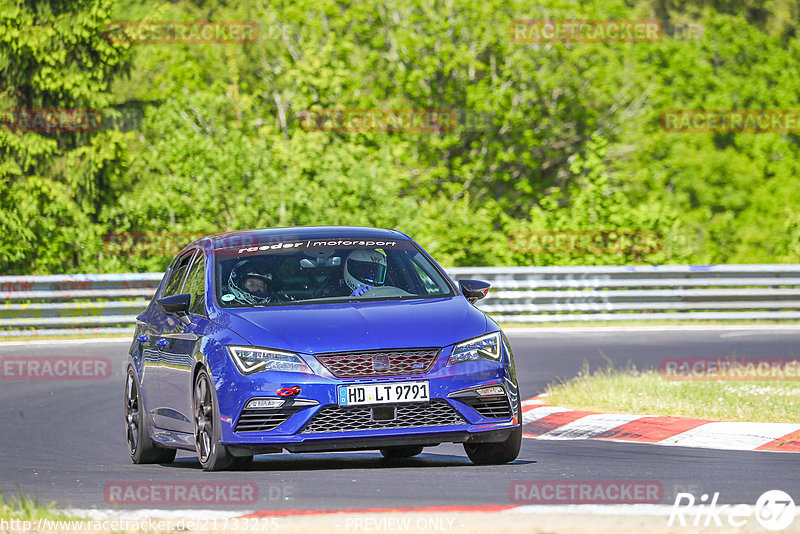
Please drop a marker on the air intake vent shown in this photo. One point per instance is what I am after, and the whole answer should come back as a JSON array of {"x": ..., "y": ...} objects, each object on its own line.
[
  {"x": 490, "y": 407},
  {"x": 333, "y": 418},
  {"x": 262, "y": 420},
  {"x": 379, "y": 363}
]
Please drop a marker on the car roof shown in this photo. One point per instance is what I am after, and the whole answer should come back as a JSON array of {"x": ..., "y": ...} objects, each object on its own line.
[{"x": 270, "y": 235}]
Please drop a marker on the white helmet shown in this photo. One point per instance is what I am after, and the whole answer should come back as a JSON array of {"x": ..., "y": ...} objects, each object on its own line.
[
  {"x": 365, "y": 268},
  {"x": 238, "y": 282}
]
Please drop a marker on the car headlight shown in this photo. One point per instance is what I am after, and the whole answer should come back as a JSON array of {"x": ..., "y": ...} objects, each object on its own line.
[
  {"x": 250, "y": 360},
  {"x": 480, "y": 348}
]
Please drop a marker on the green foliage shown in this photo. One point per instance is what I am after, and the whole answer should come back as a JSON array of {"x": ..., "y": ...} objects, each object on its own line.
[
  {"x": 740, "y": 190},
  {"x": 550, "y": 137},
  {"x": 54, "y": 184},
  {"x": 594, "y": 202}
]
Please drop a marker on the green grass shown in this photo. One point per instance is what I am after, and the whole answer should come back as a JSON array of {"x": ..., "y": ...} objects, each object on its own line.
[
  {"x": 28, "y": 509},
  {"x": 637, "y": 392}
]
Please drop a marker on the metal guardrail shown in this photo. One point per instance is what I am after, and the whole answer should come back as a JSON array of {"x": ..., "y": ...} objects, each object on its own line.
[
  {"x": 109, "y": 303},
  {"x": 639, "y": 293},
  {"x": 74, "y": 303}
]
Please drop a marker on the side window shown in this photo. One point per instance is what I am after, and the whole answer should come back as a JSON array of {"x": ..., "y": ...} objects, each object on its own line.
[
  {"x": 196, "y": 287},
  {"x": 177, "y": 275}
]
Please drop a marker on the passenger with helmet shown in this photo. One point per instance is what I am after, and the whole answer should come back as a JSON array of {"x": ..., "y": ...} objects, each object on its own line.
[
  {"x": 364, "y": 270},
  {"x": 251, "y": 283}
]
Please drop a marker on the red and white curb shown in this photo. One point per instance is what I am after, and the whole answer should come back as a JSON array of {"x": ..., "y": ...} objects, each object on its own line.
[{"x": 542, "y": 421}]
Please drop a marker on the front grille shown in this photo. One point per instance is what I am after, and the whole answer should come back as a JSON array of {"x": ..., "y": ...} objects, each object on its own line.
[
  {"x": 333, "y": 418},
  {"x": 262, "y": 419},
  {"x": 379, "y": 363},
  {"x": 490, "y": 407}
]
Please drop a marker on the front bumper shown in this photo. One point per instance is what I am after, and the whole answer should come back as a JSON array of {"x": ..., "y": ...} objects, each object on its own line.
[
  {"x": 348, "y": 443},
  {"x": 299, "y": 432}
]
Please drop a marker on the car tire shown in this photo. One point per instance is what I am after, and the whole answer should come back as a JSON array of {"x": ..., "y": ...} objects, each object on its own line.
[
  {"x": 496, "y": 453},
  {"x": 212, "y": 455},
  {"x": 401, "y": 451},
  {"x": 141, "y": 447}
]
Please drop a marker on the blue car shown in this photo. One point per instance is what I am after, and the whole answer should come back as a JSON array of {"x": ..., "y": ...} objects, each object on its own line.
[{"x": 317, "y": 339}]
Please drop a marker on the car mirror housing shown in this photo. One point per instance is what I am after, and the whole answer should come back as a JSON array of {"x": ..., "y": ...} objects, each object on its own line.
[
  {"x": 474, "y": 290},
  {"x": 177, "y": 305}
]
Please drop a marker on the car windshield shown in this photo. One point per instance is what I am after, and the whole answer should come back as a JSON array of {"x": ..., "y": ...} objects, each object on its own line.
[{"x": 331, "y": 270}]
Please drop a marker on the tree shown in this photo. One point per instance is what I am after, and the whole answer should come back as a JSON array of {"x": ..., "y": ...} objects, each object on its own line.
[{"x": 53, "y": 182}]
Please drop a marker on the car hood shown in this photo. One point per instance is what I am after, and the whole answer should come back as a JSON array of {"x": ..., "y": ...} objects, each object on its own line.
[{"x": 333, "y": 327}]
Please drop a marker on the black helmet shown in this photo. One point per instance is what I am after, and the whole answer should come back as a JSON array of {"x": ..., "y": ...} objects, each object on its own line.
[{"x": 238, "y": 283}]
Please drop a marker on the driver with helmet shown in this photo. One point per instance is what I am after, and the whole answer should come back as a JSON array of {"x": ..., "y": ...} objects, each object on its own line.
[{"x": 251, "y": 283}]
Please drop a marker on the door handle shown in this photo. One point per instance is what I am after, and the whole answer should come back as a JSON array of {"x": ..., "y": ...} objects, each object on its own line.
[{"x": 162, "y": 344}]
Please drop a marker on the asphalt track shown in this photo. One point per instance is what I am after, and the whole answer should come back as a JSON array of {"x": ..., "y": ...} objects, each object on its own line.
[{"x": 62, "y": 441}]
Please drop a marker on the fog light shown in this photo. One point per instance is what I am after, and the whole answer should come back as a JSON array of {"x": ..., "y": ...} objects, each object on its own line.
[
  {"x": 264, "y": 403},
  {"x": 494, "y": 390}
]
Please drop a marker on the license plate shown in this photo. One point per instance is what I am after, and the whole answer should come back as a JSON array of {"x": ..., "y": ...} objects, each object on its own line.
[{"x": 384, "y": 393}]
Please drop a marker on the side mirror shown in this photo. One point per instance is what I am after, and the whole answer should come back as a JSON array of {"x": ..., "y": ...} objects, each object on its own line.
[
  {"x": 474, "y": 290},
  {"x": 177, "y": 305}
]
